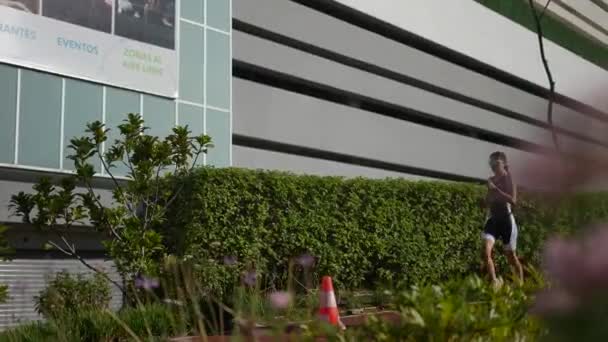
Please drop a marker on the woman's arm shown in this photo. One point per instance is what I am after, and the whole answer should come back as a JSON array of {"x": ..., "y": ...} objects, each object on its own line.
[
  {"x": 513, "y": 190},
  {"x": 511, "y": 196},
  {"x": 484, "y": 202}
]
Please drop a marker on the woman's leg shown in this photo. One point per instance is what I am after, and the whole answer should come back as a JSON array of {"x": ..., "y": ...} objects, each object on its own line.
[
  {"x": 489, "y": 262},
  {"x": 515, "y": 264},
  {"x": 510, "y": 249}
]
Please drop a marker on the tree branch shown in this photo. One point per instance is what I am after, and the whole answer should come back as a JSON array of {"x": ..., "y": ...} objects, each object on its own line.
[
  {"x": 160, "y": 167},
  {"x": 542, "y": 13},
  {"x": 112, "y": 281},
  {"x": 107, "y": 169},
  {"x": 541, "y": 46},
  {"x": 174, "y": 197},
  {"x": 157, "y": 192},
  {"x": 71, "y": 251},
  {"x": 52, "y": 243},
  {"x": 198, "y": 153},
  {"x": 129, "y": 164},
  {"x": 102, "y": 209}
]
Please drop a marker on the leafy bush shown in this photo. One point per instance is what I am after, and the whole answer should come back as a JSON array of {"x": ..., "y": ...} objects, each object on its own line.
[
  {"x": 147, "y": 323},
  {"x": 30, "y": 332},
  {"x": 83, "y": 325},
  {"x": 67, "y": 294},
  {"x": 133, "y": 220},
  {"x": 461, "y": 310},
  {"x": 361, "y": 231},
  {"x": 5, "y": 252},
  {"x": 154, "y": 320}
]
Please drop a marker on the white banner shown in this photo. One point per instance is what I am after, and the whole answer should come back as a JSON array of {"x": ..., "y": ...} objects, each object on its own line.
[{"x": 125, "y": 43}]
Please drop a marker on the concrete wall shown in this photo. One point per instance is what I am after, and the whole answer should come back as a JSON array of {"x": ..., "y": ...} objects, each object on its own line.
[
  {"x": 472, "y": 29},
  {"x": 317, "y": 93}
]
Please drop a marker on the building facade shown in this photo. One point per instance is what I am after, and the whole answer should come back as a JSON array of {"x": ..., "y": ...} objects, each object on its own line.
[
  {"x": 417, "y": 89},
  {"x": 41, "y": 109}
]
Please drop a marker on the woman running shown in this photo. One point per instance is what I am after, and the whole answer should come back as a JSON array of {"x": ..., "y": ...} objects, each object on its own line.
[{"x": 502, "y": 194}]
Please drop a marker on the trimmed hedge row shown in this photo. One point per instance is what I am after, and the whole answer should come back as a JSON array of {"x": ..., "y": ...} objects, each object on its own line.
[{"x": 361, "y": 231}]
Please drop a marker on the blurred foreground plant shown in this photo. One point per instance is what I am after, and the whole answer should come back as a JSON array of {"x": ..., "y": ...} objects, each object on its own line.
[
  {"x": 144, "y": 323},
  {"x": 575, "y": 306},
  {"x": 462, "y": 310}
]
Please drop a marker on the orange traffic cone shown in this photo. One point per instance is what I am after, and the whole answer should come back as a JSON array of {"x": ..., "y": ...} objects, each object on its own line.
[{"x": 328, "y": 308}]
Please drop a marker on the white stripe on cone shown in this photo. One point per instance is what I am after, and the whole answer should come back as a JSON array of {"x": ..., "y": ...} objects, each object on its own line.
[{"x": 330, "y": 300}]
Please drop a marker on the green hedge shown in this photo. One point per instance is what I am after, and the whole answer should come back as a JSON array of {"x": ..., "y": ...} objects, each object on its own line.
[{"x": 361, "y": 231}]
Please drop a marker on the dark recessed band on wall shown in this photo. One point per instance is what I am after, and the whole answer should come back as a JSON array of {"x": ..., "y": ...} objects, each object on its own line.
[
  {"x": 25, "y": 175},
  {"x": 268, "y": 145},
  {"x": 370, "y": 23},
  {"x": 601, "y": 4},
  {"x": 295, "y": 84},
  {"x": 401, "y": 78},
  {"x": 261, "y": 75}
]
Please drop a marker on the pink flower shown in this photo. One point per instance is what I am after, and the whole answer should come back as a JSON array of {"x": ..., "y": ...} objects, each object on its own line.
[
  {"x": 562, "y": 261},
  {"x": 542, "y": 173},
  {"x": 305, "y": 260},
  {"x": 561, "y": 176},
  {"x": 280, "y": 300},
  {"x": 230, "y": 260},
  {"x": 554, "y": 302},
  {"x": 146, "y": 283},
  {"x": 596, "y": 258},
  {"x": 579, "y": 266},
  {"x": 250, "y": 278}
]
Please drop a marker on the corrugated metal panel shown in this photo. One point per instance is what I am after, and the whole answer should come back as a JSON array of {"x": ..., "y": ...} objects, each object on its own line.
[{"x": 27, "y": 277}]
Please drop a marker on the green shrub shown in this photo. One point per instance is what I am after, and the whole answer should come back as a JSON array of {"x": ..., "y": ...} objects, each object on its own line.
[
  {"x": 67, "y": 294},
  {"x": 84, "y": 325},
  {"x": 361, "y": 231},
  {"x": 153, "y": 320},
  {"x": 132, "y": 218},
  {"x": 148, "y": 323},
  {"x": 29, "y": 332},
  {"x": 460, "y": 310},
  {"x": 5, "y": 253}
]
